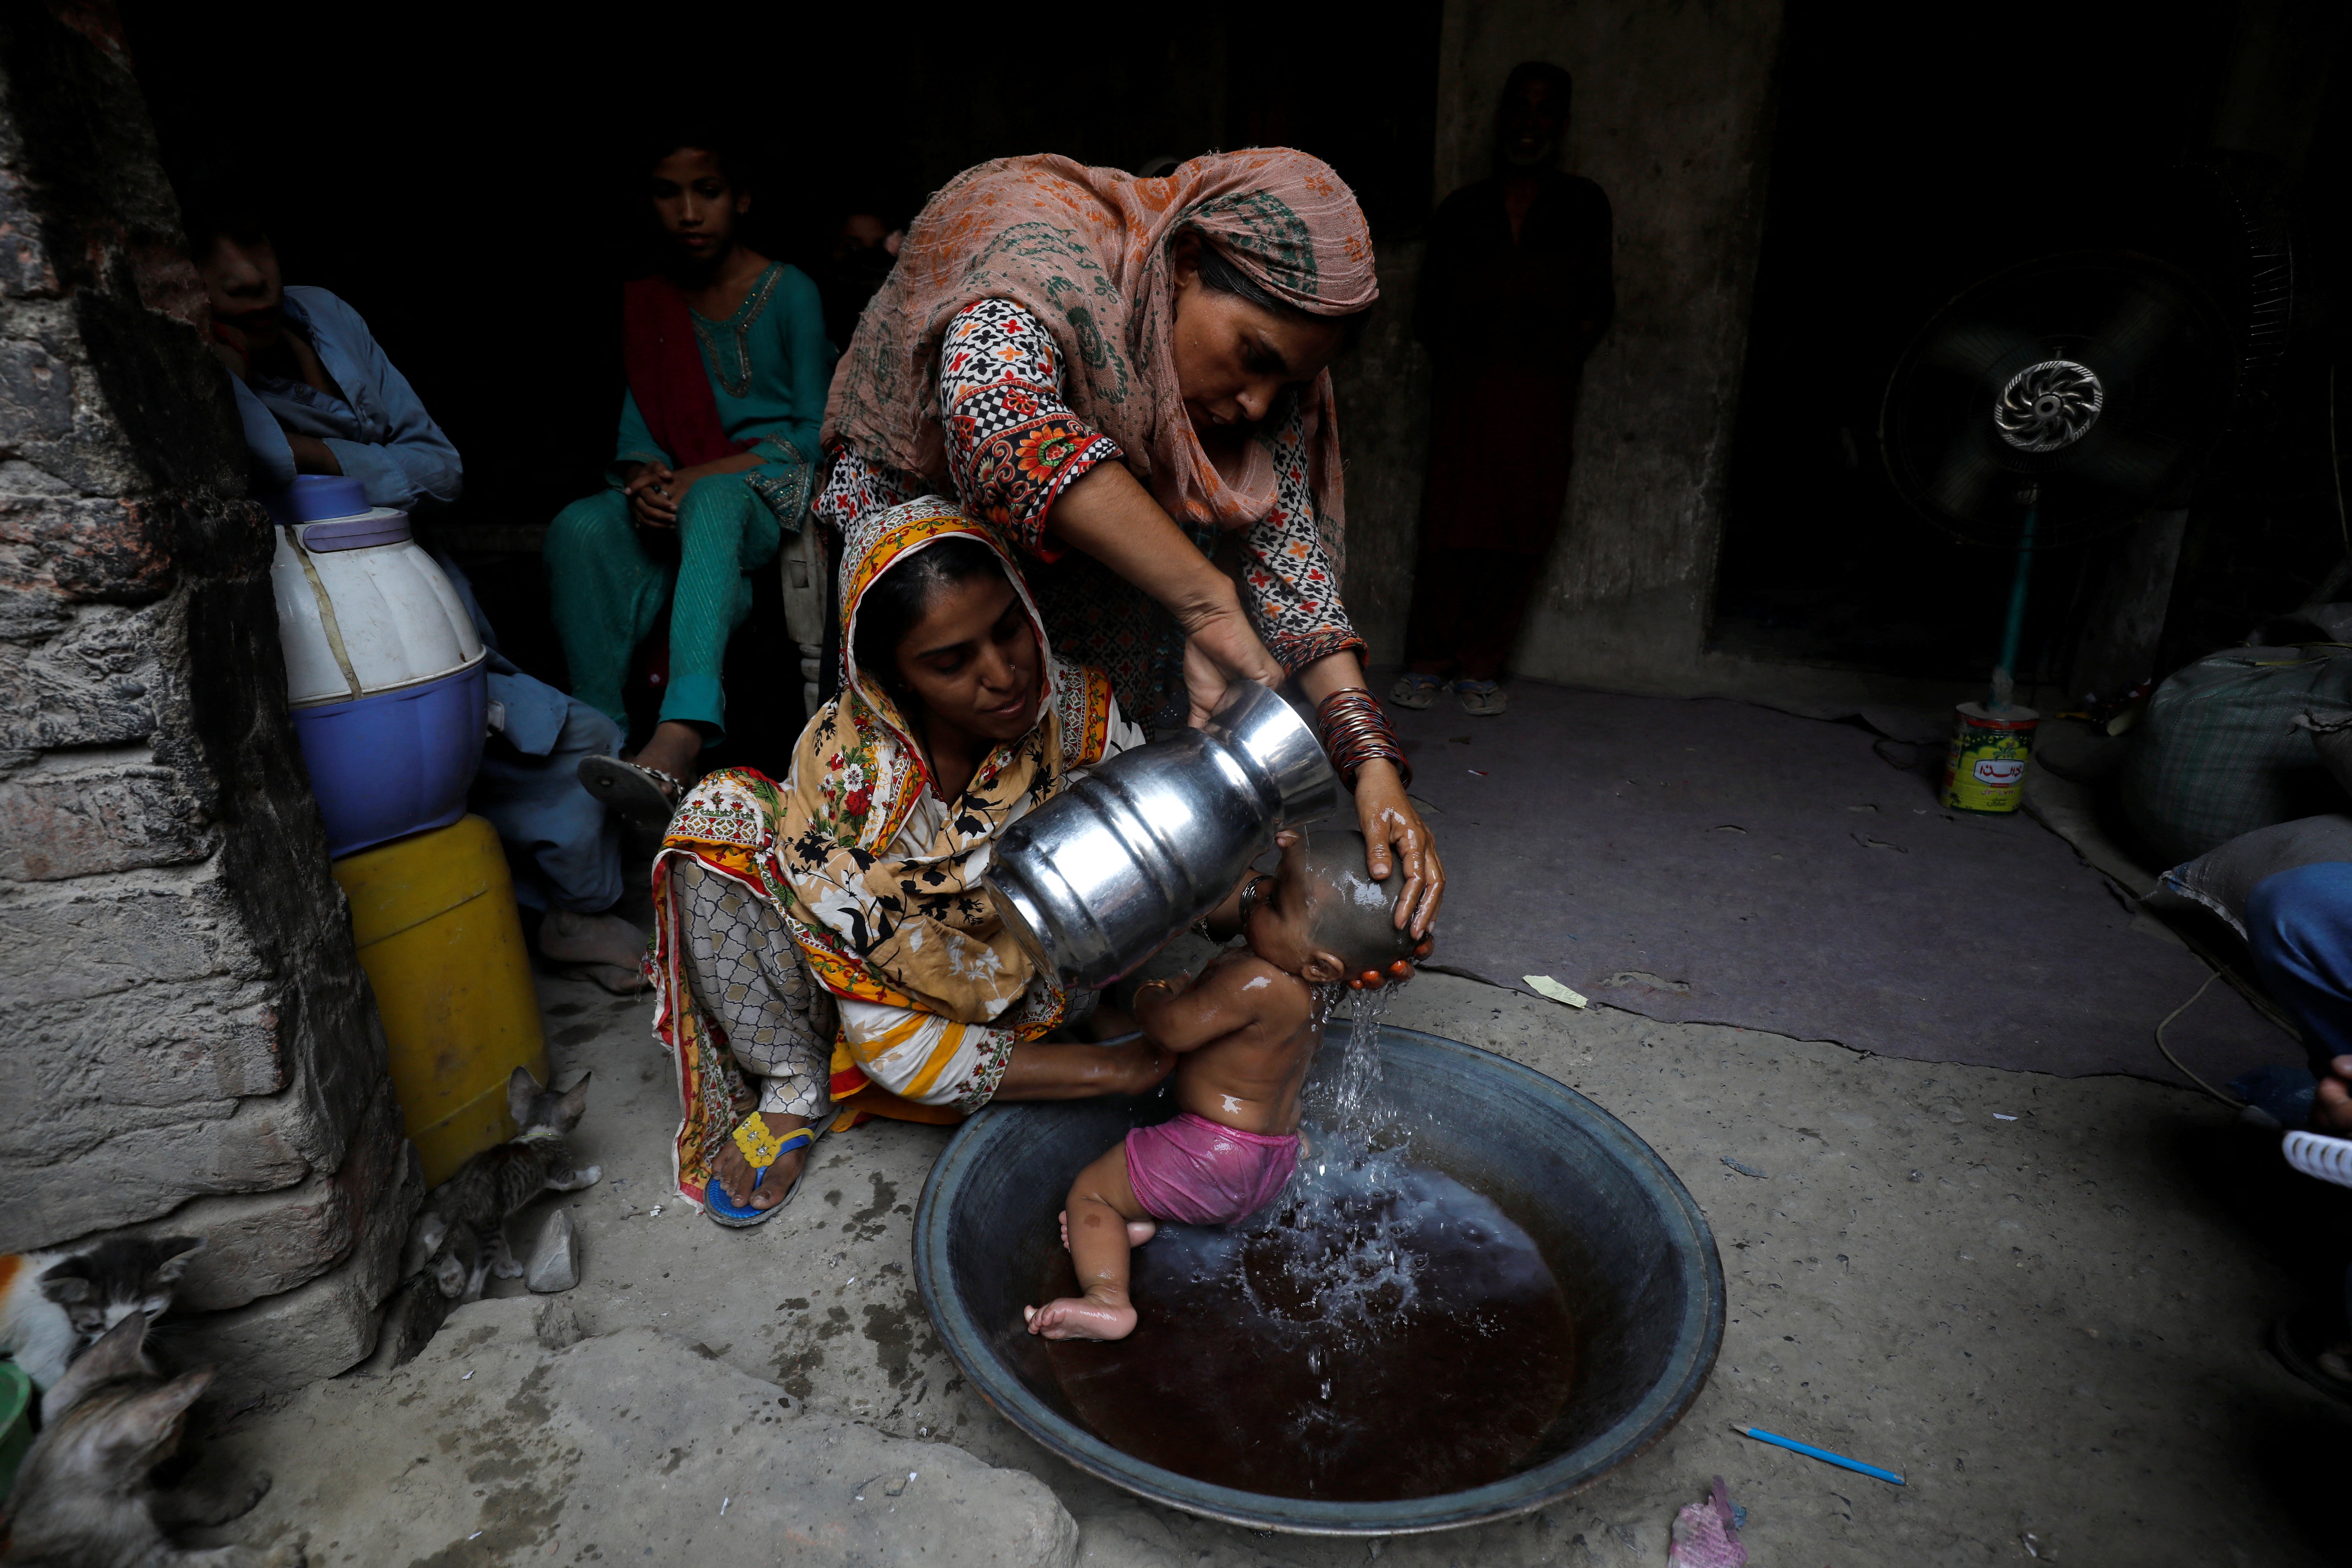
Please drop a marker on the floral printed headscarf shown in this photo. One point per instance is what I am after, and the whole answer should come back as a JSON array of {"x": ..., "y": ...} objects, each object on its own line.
[
  {"x": 881, "y": 917},
  {"x": 1085, "y": 251}
]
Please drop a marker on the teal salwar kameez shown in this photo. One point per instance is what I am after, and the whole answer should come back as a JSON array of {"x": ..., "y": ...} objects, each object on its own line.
[{"x": 769, "y": 365}]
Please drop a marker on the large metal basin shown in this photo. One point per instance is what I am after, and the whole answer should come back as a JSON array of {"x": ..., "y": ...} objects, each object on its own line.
[{"x": 1625, "y": 1238}]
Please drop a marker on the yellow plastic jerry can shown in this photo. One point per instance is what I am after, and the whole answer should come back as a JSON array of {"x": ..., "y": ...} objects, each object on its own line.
[{"x": 434, "y": 915}]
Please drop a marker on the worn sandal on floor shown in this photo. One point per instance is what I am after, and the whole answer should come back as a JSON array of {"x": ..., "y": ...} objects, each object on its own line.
[
  {"x": 1414, "y": 690},
  {"x": 1482, "y": 698},
  {"x": 647, "y": 798},
  {"x": 2309, "y": 1344},
  {"x": 762, "y": 1148}
]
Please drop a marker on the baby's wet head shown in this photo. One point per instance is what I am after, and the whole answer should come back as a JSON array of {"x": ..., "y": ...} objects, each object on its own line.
[{"x": 1350, "y": 915}]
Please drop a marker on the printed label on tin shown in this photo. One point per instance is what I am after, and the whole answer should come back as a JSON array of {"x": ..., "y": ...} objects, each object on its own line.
[{"x": 1999, "y": 772}]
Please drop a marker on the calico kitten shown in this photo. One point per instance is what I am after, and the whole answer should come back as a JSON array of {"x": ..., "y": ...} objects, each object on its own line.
[
  {"x": 86, "y": 1495},
  {"x": 53, "y": 1303},
  {"x": 462, "y": 1232}
]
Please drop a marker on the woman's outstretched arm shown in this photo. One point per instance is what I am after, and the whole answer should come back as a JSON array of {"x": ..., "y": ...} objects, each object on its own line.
[{"x": 1111, "y": 517}]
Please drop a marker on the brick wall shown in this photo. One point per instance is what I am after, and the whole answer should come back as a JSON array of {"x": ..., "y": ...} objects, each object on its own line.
[{"x": 186, "y": 1041}]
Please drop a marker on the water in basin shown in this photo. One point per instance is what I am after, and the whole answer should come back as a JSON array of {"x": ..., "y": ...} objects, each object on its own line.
[{"x": 1381, "y": 1331}]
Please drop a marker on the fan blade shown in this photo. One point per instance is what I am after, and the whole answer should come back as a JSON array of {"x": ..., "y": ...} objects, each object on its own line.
[
  {"x": 1962, "y": 481},
  {"x": 1973, "y": 348},
  {"x": 2124, "y": 463},
  {"x": 2141, "y": 323}
]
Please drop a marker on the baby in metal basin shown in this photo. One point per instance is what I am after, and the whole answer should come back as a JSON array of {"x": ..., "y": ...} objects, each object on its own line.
[{"x": 1244, "y": 1030}]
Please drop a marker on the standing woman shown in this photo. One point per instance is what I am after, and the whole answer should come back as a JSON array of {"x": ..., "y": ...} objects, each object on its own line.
[
  {"x": 1515, "y": 291},
  {"x": 727, "y": 363},
  {"x": 1125, "y": 377}
]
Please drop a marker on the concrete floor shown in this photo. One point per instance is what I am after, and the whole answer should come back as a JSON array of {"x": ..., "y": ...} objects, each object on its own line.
[{"x": 2054, "y": 1325}]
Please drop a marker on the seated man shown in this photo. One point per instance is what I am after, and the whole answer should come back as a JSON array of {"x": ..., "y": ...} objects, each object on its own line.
[
  {"x": 318, "y": 395},
  {"x": 315, "y": 393}
]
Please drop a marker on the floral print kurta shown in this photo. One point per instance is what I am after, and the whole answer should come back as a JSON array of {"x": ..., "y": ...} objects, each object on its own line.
[{"x": 1014, "y": 447}]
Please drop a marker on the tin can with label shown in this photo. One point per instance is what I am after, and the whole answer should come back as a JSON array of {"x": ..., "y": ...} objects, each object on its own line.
[{"x": 1985, "y": 770}]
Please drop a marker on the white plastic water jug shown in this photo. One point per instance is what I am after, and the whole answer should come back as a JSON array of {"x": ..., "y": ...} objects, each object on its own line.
[{"x": 383, "y": 670}]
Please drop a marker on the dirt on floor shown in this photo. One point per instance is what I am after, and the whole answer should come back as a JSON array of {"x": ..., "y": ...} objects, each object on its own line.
[{"x": 2044, "y": 1301}]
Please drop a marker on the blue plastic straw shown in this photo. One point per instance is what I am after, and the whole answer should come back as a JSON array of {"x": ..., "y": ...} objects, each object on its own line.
[{"x": 1823, "y": 1455}]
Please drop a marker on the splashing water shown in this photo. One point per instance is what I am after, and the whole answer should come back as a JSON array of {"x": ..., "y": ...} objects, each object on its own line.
[
  {"x": 1296, "y": 1354},
  {"x": 1277, "y": 1354},
  {"x": 1339, "y": 1248},
  {"x": 1354, "y": 1105}
]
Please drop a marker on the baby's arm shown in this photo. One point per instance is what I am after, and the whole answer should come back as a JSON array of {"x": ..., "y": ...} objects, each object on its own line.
[{"x": 1183, "y": 1015}]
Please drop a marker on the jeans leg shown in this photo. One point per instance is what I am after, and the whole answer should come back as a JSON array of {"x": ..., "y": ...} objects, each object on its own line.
[
  {"x": 2299, "y": 924},
  {"x": 564, "y": 847}
]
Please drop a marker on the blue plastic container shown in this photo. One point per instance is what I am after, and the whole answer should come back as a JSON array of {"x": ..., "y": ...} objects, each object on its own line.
[
  {"x": 312, "y": 498},
  {"x": 396, "y": 762}
]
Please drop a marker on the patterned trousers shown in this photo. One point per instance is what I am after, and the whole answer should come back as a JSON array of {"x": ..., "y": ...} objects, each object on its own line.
[{"x": 748, "y": 981}]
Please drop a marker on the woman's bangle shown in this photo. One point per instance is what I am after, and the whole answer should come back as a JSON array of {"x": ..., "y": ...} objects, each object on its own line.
[
  {"x": 1250, "y": 890},
  {"x": 1356, "y": 731}
]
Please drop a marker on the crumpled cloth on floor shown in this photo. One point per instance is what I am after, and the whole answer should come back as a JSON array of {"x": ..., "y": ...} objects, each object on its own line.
[{"x": 1704, "y": 1536}]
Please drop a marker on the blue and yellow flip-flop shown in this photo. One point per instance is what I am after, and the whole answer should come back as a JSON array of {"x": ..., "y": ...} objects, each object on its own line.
[{"x": 761, "y": 1148}]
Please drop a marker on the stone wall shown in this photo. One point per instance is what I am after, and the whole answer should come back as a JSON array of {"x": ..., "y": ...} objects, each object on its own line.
[{"x": 187, "y": 1044}]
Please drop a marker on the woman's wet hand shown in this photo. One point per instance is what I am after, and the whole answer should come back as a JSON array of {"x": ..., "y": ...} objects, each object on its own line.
[
  {"x": 1395, "y": 838},
  {"x": 1220, "y": 648}
]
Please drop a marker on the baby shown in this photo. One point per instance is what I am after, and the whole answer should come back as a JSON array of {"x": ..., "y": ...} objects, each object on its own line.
[{"x": 1245, "y": 1032}]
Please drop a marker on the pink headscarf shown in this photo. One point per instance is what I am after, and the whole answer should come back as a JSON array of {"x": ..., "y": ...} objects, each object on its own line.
[{"x": 1085, "y": 251}]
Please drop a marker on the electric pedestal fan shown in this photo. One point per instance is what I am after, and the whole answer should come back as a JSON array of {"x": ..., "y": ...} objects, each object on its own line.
[{"x": 2055, "y": 402}]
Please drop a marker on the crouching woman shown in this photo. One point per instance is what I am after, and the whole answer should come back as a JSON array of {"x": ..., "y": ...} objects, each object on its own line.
[{"x": 826, "y": 945}]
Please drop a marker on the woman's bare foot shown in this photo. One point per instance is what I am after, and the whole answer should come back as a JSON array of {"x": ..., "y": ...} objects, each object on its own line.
[
  {"x": 672, "y": 748},
  {"x": 1082, "y": 1317},
  {"x": 736, "y": 1175},
  {"x": 1139, "y": 1231}
]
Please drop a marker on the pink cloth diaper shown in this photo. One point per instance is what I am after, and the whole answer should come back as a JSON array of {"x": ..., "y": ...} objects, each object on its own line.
[{"x": 1194, "y": 1172}]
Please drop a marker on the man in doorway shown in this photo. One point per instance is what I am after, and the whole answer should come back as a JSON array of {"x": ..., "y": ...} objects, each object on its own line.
[{"x": 1516, "y": 291}]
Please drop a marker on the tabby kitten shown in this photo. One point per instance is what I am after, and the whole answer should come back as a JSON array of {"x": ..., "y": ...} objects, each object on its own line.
[
  {"x": 53, "y": 1303},
  {"x": 462, "y": 1232},
  {"x": 86, "y": 1495}
]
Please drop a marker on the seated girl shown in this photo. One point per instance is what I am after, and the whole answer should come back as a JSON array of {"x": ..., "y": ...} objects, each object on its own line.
[
  {"x": 727, "y": 365},
  {"x": 826, "y": 947}
]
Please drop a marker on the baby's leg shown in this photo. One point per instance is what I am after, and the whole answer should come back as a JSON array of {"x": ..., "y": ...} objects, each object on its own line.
[
  {"x": 1095, "y": 1223},
  {"x": 1139, "y": 1231}
]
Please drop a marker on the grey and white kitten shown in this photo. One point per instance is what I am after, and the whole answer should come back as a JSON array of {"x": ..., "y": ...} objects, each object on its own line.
[
  {"x": 53, "y": 1303},
  {"x": 86, "y": 1494},
  {"x": 462, "y": 1234}
]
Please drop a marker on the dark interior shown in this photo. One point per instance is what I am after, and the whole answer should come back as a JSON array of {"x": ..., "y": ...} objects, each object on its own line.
[
  {"x": 489, "y": 223},
  {"x": 1990, "y": 143}
]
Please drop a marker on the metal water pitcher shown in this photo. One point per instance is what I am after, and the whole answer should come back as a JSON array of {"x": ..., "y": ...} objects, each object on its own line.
[{"x": 1136, "y": 848}]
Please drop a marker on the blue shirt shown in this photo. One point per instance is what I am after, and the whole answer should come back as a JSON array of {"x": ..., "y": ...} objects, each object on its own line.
[{"x": 378, "y": 429}]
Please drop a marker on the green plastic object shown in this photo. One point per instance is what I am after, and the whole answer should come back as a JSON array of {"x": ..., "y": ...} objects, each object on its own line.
[{"x": 16, "y": 1422}]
